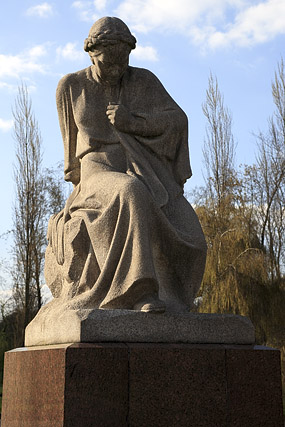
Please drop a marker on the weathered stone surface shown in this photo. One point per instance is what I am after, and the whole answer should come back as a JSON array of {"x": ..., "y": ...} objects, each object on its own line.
[
  {"x": 73, "y": 385},
  {"x": 249, "y": 373},
  {"x": 142, "y": 385},
  {"x": 180, "y": 385},
  {"x": 96, "y": 385},
  {"x": 60, "y": 325},
  {"x": 34, "y": 387},
  {"x": 127, "y": 238}
]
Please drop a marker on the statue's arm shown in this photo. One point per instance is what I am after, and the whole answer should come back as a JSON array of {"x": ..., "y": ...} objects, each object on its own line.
[
  {"x": 68, "y": 129},
  {"x": 153, "y": 110},
  {"x": 157, "y": 123},
  {"x": 144, "y": 124}
]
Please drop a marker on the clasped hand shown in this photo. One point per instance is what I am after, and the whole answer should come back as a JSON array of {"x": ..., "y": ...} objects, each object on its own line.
[{"x": 120, "y": 117}]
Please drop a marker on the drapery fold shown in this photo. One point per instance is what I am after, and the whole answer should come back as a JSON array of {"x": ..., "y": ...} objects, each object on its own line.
[{"x": 126, "y": 230}]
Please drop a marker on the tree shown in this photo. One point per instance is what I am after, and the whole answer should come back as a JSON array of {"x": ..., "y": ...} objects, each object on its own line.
[
  {"x": 243, "y": 217},
  {"x": 56, "y": 189},
  {"x": 236, "y": 264},
  {"x": 29, "y": 209},
  {"x": 39, "y": 194},
  {"x": 219, "y": 145},
  {"x": 270, "y": 180}
]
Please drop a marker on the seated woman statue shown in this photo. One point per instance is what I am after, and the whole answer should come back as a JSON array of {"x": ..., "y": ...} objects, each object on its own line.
[{"x": 127, "y": 238}]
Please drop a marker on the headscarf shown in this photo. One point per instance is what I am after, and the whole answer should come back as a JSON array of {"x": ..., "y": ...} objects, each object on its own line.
[{"x": 109, "y": 30}]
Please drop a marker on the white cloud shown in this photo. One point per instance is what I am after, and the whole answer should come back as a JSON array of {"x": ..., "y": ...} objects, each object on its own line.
[
  {"x": 37, "y": 51},
  {"x": 80, "y": 4},
  {"x": 42, "y": 10},
  {"x": 6, "y": 125},
  {"x": 100, "y": 5},
  {"x": 208, "y": 23},
  {"x": 14, "y": 66},
  {"x": 146, "y": 53},
  {"x": 86, "y": 10},
  {"x": 25, "y": 62},
  {"x": 146, "y": 15},
  {"x": 70, "y": 52},
  {"x": 254, "y": 25}
]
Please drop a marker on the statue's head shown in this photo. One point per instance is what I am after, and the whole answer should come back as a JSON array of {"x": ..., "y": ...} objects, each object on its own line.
[{"x": 109, "y": 44}]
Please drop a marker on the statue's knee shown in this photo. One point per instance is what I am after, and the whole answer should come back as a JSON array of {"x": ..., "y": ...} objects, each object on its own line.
[{"x": 133, "y": 188}]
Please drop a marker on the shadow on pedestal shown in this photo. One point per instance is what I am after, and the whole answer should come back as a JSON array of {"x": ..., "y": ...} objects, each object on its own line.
[{"x": 130, "y": 384}]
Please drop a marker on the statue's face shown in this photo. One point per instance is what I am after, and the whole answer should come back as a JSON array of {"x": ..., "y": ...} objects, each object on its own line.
[{"x": 111, "y": 62}]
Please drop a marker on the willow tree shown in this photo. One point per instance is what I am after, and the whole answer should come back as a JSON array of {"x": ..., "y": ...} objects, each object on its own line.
[{"x": 235, "y": 264}]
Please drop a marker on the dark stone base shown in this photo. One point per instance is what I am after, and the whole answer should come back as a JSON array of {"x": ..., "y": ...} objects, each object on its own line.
[{"x": 151, "y": 385}]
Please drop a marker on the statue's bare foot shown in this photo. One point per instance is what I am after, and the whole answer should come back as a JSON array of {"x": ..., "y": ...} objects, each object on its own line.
[{"x": 150, "y": 304}]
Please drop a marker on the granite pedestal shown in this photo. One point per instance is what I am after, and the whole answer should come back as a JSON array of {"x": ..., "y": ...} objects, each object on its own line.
[
  {"x": 59, "y": 326},
  {"x": 129, "y": 384}
]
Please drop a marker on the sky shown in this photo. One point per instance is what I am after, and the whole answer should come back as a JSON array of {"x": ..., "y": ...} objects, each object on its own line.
[{"x": 181, "y": 41}]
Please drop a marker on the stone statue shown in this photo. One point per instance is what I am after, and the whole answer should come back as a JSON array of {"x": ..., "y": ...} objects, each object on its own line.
[
  {"x": 127, "y": 238},
  {"x": 126, "y": 255}
]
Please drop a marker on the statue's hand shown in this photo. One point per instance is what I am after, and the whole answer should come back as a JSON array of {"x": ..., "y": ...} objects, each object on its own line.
[{"x": 120, "y": 117}]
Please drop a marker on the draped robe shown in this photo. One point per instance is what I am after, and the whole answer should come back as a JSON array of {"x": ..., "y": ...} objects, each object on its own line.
[{"x": 126, "y": 230}]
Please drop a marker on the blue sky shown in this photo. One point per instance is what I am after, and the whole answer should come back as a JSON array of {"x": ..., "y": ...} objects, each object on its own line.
[{"x": 181, "y": 41}]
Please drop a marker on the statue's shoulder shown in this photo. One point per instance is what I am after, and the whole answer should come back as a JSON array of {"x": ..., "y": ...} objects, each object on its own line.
[
  {"x": 145, "y": 80},
  {"x": 72, "y": 80},
  {"x": 142, "y": 74}
]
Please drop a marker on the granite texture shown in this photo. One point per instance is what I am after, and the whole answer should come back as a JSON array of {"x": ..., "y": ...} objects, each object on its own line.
[
  {"x": 33, "y": 387},
  {"x": 142, "y": 385},
  {"x": 179, "y": 385},
  {"x": 63, "y": 326},
  {"x": 96, "y": 385},
  {"x": 127, "y": 238},
  {"x": 250, "y": 374},
  {"x": 74, "y": 385}
]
